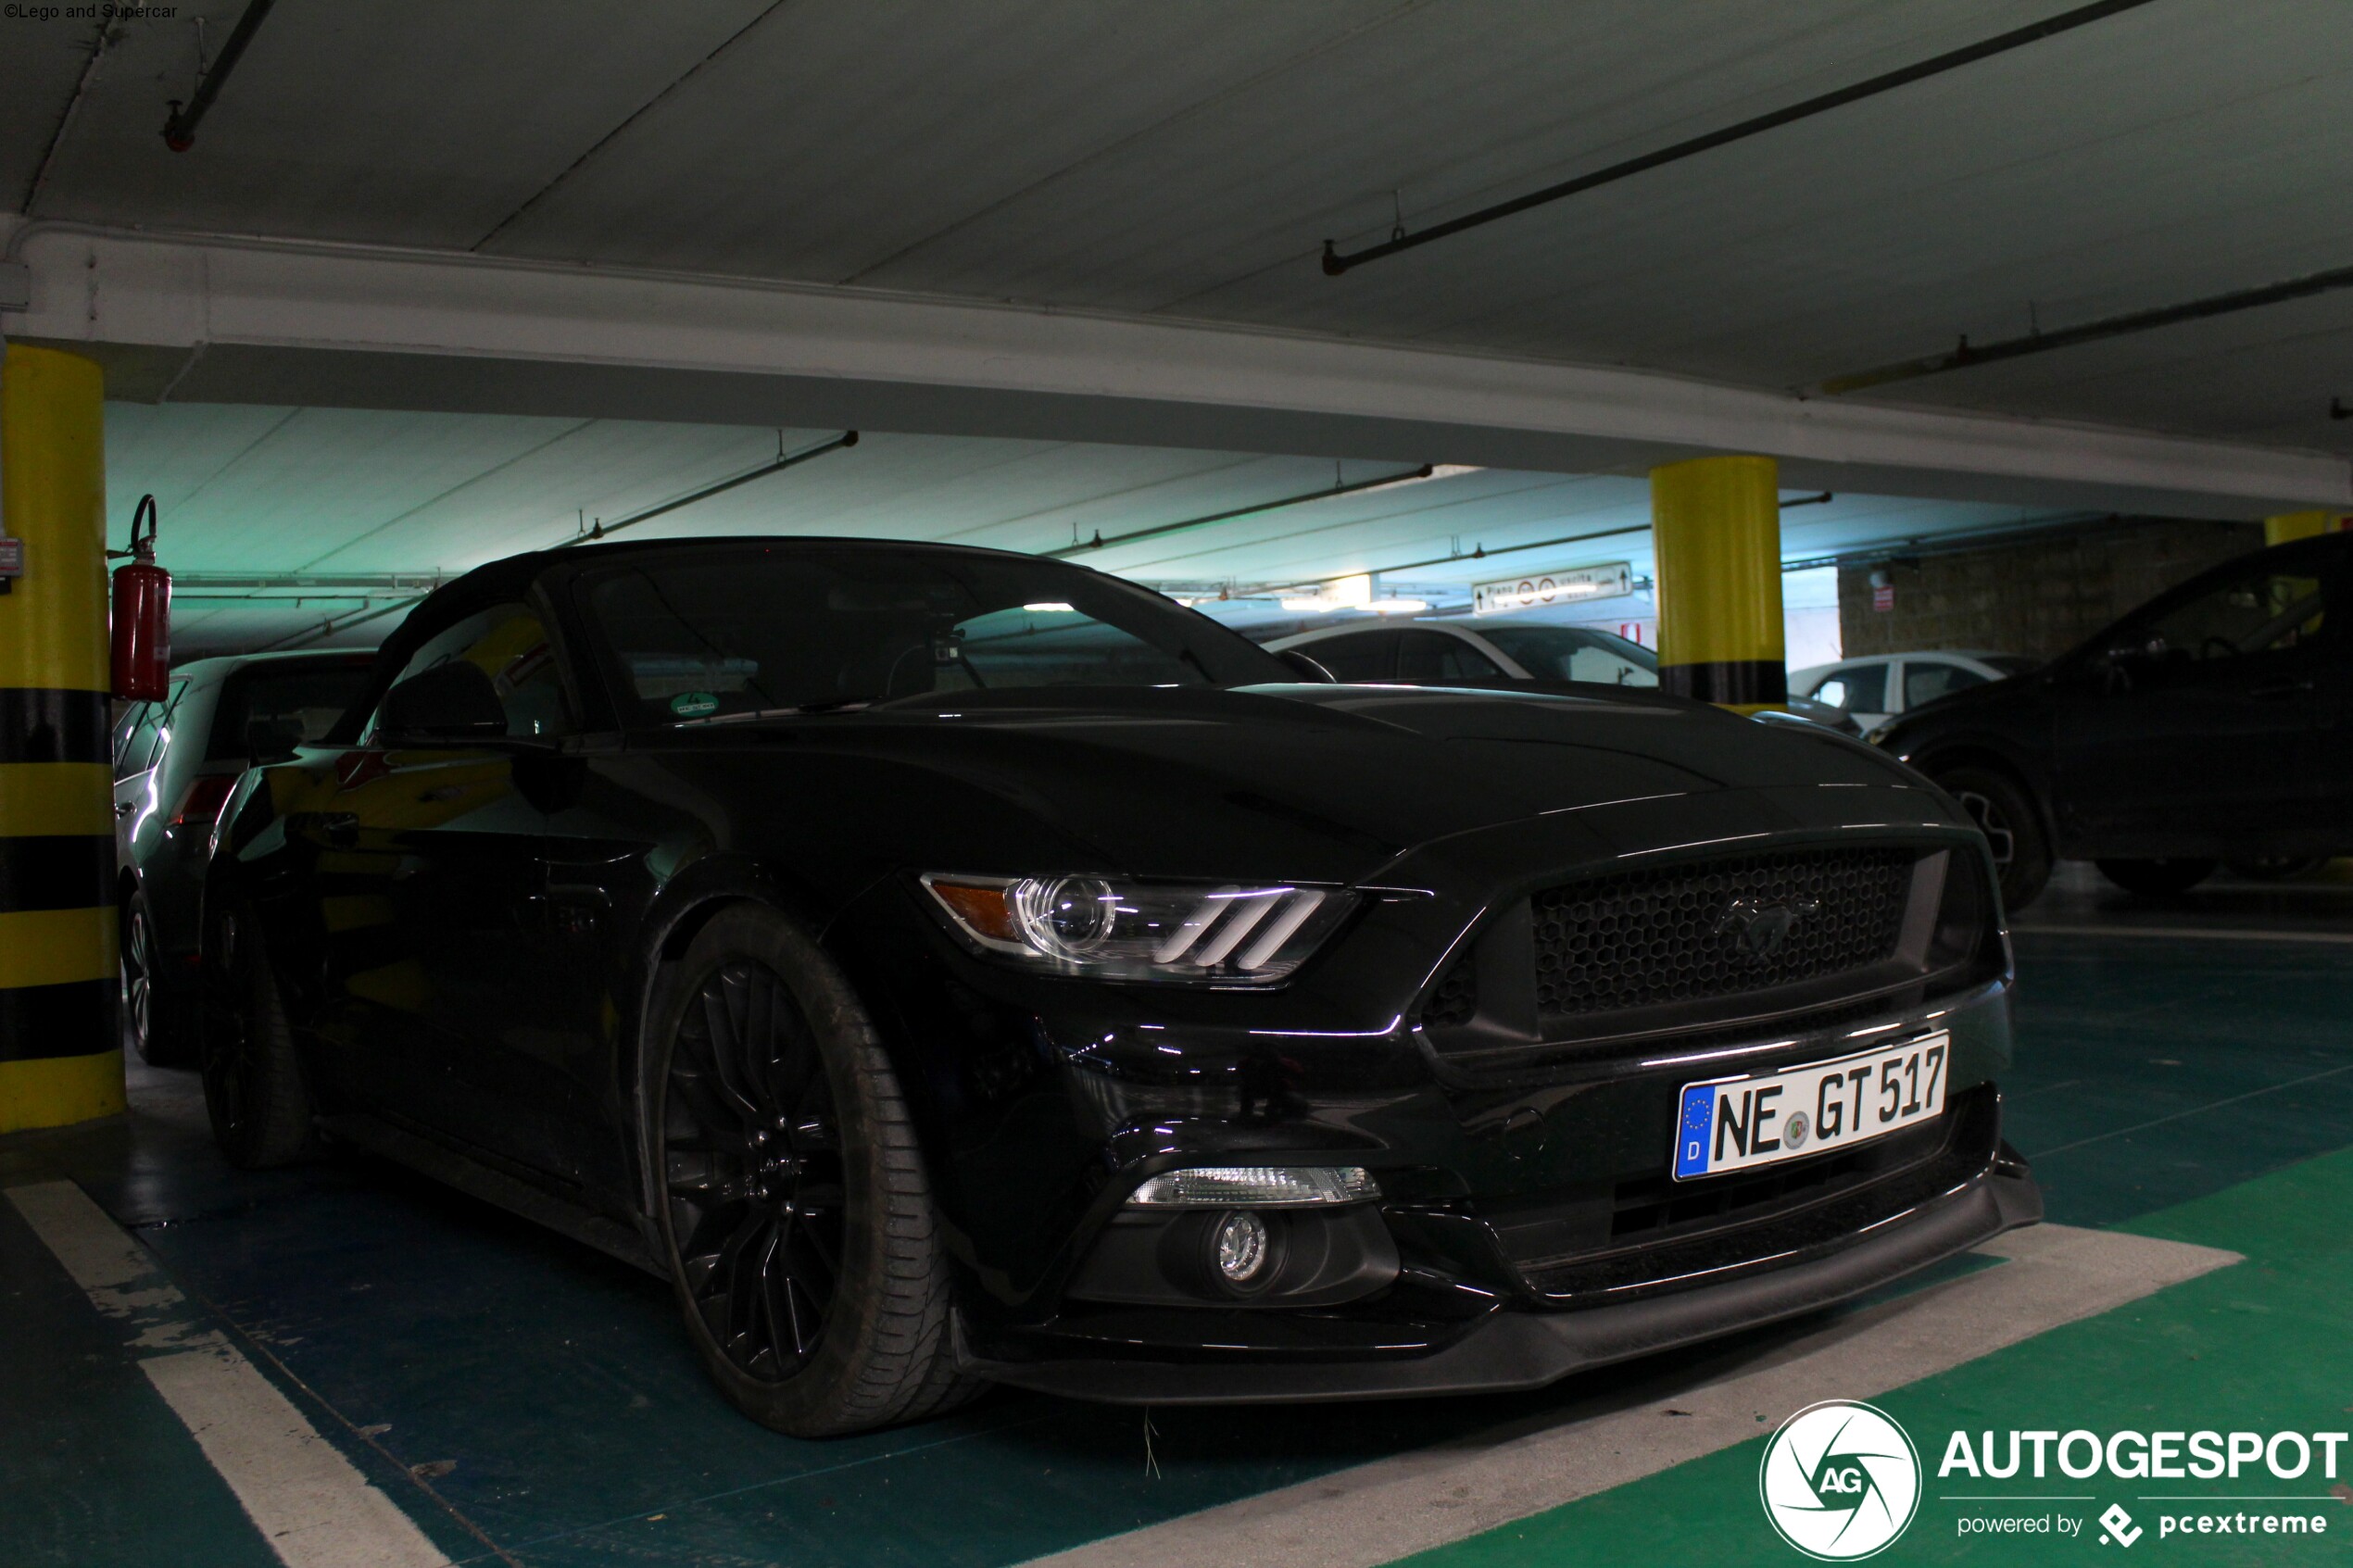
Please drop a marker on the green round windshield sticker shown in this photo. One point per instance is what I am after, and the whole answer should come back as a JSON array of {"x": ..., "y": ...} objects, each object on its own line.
[{"x": 694, "y": 705}]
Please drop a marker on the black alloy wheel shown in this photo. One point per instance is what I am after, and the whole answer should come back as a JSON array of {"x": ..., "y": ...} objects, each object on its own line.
[
  {"x": 152, "y": 1010},
  {"x": 2013, "y": 829},
  {"x": 793, "y": 1207},
  {"x": 254, "y": 1092},
  {"x": 139, "y": 978},
  {"x": 751, "y": 1157}
]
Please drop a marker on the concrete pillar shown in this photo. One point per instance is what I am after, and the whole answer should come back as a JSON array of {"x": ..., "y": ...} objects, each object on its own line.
[
  {"x": 1715, "y": 524},
  {"x": 60, "y": 1028},
  {"x": 2298, "y": 525}
]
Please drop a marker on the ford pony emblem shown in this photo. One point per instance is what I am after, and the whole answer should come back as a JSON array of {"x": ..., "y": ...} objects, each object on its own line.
[{"x": 1761, "y": 931}]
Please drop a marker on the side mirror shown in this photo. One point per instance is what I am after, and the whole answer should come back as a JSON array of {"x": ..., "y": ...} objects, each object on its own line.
[
  {"x": 453, "y": 701},
  {"x": 1307, "y": 668}
]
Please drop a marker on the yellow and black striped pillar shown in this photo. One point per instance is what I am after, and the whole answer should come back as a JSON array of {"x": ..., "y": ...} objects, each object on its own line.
[
  {"x": 2289, "y": 526},
  {"x": 1716, "y": 525},
  {"x": 60, "y": 1029}
]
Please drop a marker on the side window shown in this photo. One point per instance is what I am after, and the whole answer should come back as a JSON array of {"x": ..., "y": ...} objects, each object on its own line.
[
  {"x": 1360, "y": 656},
  {"x": 507, "y": 643},
  {"x": 1434, "y": 656},
  {"x": 1925, "y": 681},
  {"x": 1603, "y": 667},
  {"x": 2265, "y": 611},
  {"x": 1861, "y": 688},
  {"x": 134, "y": 735},
  {"x": 143, "y": 732}
]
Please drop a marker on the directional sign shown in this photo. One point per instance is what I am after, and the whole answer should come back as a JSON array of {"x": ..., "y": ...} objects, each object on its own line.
[{"x": 1538, "y": 589}]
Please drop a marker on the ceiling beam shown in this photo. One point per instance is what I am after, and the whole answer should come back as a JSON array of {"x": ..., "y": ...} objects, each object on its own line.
[{"x": 235, "y": 320}]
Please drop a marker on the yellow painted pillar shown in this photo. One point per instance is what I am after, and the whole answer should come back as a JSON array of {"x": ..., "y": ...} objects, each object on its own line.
[
  {"x": 61, "y": 1007},
  {"x": 1716, "y": 525},
  {"x": 2298, "y": 525}
]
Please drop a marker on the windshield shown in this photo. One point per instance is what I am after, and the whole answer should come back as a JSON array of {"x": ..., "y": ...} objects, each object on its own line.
[
  {"x": 713, "y": 633},
  {"x": 1575, "y": 653}
]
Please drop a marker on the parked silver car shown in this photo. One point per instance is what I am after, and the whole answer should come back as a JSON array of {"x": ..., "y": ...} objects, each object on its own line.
[
  {"x": 175, "y": 761},
  {"x": 1501, "y": 650},
  {"x": 1874, "y": 689},
  {"x": 1447, "y": 651}
]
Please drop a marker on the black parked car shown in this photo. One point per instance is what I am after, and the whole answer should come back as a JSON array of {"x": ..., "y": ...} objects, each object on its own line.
[
  {"x": 2209, "y": 725},
  {"x": 175, "y": 761},
  {"x": 947, "y": 966}
]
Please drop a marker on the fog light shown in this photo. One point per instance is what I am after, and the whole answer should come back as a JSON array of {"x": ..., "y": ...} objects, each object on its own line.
[
  {"x": 1261, "y": 1186},
  {"x": 1243, "y": 1248}
]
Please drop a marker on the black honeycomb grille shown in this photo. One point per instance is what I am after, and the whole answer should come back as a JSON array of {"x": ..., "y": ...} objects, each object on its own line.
[
  {"x": 1456, "y": 998},
  {"x": 1724, "y": 928}
]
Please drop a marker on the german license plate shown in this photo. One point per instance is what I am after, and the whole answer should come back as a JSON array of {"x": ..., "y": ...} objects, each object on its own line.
[{"x": 1764, "y": 1118}]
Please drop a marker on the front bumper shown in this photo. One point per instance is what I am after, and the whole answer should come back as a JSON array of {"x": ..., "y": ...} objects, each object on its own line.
[{"x": 1509, "y": 1349}]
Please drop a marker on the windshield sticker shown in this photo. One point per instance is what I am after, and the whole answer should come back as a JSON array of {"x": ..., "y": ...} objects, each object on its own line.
[{"x": 694, "y": 705}]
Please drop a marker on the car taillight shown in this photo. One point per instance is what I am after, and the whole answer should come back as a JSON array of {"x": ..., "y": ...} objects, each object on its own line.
[{"x": 205, "y": 798}]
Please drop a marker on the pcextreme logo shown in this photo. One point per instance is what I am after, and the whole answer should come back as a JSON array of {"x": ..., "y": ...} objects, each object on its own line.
[{"x": 1839, "y": 1480}]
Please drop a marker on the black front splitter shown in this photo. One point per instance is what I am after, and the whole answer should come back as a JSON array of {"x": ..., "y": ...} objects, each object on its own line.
[{"x": 1517, "y": 1349}]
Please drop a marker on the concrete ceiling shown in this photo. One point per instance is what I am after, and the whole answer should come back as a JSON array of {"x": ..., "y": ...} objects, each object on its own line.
[
  {"x": 1192, "y": 159},
  {"x": 1180, "y": 163}
]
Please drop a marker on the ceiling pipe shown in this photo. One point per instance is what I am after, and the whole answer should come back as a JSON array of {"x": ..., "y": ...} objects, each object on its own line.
[
  {"x": 1969, "y": 353},
  {"x": 2017, "y": 38},
  {"x": 604, "y": 529},
  {"x": 109, "y": 34},
  {"x": 180, "y": 131},
  {"x": 334, "y": 624},
  {"x": 1427, "y": 470}
]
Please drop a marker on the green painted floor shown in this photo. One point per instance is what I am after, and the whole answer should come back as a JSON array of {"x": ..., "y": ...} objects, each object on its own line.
[
  {"x": 2261, "y": 1346},
  {"x": 531, "y": 1404}
]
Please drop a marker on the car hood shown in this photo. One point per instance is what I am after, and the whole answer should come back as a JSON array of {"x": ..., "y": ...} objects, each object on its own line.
[{"x": 1312, "y": 782}]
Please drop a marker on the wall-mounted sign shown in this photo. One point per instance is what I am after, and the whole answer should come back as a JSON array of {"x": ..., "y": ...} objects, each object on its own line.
[{"x": 1538, "y": 589}]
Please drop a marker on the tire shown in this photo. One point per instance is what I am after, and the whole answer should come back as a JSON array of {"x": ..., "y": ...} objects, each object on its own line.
[
  {"x": 155, "y": 1015},
  {"x": 253, "y": 1087},
  {"x": 2006, "y": 813},
  {"x": 2155, "y": 879},
  {"x": 793, "y": 1209}
]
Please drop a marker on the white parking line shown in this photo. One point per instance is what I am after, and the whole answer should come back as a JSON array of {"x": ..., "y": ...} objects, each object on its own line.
[
  {"x": 2184, "y": 932},
  {"x": 310, "y": 1503},
  {"x": 1379, "y": 1512}
]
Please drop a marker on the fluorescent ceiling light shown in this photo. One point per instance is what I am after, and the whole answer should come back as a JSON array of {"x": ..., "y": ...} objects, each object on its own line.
[
  {"x": 1050, "y": 608},
  {"x": 1397, "y": 607}
]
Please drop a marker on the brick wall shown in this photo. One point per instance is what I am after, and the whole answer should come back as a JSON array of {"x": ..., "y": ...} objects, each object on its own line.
[{"x": 2040, "y": 595}]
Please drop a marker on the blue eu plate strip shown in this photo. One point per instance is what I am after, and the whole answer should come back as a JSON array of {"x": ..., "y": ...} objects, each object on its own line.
[{"x": 1692, "y": 1129}]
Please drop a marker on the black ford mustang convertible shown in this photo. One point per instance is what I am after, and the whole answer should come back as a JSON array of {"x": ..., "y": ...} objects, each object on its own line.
[{"x": 948, "y": 967}]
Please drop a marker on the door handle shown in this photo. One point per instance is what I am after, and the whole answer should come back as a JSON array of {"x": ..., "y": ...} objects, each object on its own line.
[
  {"x": 2275, "y": 689},
  {"x": 340, "y": 829},
  {"x": 124, "y": 807}
]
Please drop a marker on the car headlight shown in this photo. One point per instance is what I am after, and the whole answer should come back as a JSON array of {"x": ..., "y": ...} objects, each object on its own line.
[{"x": 1110, "y": 929}]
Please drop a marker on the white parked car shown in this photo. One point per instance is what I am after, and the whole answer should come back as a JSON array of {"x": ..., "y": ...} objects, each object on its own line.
[
  {"x": 1490, "y": 650},
  {"x": 1874, "y": 689}
]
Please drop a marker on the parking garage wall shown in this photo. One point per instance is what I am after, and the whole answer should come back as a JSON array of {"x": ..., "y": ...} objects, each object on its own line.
[{"x": 2039, "y": 596}]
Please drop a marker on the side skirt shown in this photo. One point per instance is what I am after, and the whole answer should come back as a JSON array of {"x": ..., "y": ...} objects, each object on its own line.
[{"x": 525, "y": 1199}]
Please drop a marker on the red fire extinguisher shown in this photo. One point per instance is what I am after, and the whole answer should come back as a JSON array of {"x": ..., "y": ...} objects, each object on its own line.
[{"x": 141, "y": 615}]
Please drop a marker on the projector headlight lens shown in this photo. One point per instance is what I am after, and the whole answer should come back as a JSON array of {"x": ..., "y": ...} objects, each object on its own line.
[{"x": 1109, "y": 929}]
